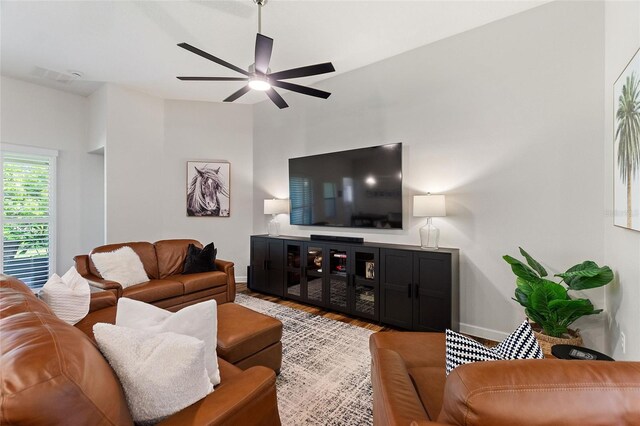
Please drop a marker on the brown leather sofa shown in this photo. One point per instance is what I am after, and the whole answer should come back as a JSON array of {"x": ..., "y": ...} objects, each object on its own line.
[
  {"x": 410, "y": 388},
  {"x": 168, "y": 287},
  {"x": 52, "y": 373}
]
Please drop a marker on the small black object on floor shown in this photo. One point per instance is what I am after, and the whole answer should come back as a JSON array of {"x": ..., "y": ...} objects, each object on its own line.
[{"x": 578, "y": 353}]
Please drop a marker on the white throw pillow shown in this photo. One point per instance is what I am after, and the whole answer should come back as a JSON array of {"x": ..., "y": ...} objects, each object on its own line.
[
  {"x": 68, "y": 296},
  {"x": 160, "y": 373},
  {"x": 122, "y": 266},
  {"x": 199, "y": 321}
]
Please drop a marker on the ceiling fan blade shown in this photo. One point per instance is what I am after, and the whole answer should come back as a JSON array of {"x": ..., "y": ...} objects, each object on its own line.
[
  {"x": 264, "y": 46},
  {"x": 212, "y": 78},
  {"x": 212, "y": 58},
  {"x": 235, "y": 95},
  {"x": 276, "y": 98},
  {"x": 301, "y": 89},
  {"x": 303, "y": 71}
]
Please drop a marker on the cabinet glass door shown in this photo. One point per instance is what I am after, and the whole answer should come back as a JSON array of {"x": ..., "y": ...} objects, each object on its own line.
[
  {"x": 293, "y": 283},
  {"x": 365, "y": 283},
  {"x": 314, "y": 263},
  {"x": 338, "y": 278}
]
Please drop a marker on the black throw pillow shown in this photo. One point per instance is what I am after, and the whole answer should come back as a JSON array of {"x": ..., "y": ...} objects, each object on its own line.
[{"x": 200, "y": 260}]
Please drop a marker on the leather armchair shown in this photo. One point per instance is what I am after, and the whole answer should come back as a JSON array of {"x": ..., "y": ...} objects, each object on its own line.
[{"x": 410, "y": 388}]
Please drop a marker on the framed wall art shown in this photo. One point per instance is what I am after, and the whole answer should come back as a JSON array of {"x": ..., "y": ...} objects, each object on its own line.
[
  {"x": 626, "y": 150},
  {"x": 208, "y": 192}
]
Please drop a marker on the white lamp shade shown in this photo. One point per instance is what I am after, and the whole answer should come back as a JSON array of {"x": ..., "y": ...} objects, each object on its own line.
[
  {"x": 429, "y": 205},
  {"x": 276, "y": 206}
]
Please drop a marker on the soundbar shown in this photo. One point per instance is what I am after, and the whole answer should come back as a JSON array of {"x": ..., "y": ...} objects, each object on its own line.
[{"x": 336, "y": 238}]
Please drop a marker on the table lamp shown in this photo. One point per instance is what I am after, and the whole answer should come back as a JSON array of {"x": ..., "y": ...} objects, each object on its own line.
[
  {"x": 429, "y": 206},
  {"x": 275, "y": 207}
]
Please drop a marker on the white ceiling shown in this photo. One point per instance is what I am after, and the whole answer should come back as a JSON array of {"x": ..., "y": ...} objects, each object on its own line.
[{"x": 133, "y": 43}]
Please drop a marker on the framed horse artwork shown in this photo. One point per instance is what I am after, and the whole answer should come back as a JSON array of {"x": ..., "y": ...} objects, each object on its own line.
[{"x": 208, "y": 188}]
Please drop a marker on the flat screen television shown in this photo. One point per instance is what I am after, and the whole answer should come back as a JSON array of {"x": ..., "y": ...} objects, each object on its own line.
[{"x": 359, "y": 188}]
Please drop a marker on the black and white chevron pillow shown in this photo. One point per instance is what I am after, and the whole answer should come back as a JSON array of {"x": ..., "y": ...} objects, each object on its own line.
[{"x": 521, "y": 344}]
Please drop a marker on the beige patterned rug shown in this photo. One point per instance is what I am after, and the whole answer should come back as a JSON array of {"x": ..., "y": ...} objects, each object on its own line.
[{"x": 325, "y": 377}]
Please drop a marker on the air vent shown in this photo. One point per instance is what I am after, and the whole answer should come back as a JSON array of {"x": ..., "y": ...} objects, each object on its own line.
[{"x": 60, "y": 77}]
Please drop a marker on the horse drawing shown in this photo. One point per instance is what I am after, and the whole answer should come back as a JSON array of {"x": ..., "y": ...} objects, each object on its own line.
[{"x": 205, "y": 189}]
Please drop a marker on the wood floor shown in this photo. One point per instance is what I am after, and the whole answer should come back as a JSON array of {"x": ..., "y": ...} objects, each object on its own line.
[{"x": 359, "y": 322}]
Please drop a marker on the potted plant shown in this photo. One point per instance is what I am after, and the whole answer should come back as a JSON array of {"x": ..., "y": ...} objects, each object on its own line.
[{"x": 548, "y": 304}]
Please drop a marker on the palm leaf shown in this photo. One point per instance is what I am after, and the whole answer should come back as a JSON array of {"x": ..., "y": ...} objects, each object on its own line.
[{"x": 628, "y": 128}]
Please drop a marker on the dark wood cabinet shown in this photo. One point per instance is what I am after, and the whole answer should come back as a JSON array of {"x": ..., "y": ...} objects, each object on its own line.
[
  {"x": 419, "y": 289},
  {"x": 267, "y": 265},
  {"x": 398, "y": 285}
]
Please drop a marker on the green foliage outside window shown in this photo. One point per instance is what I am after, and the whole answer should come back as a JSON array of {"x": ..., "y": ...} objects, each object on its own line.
[{"x": 26, "y": 195}]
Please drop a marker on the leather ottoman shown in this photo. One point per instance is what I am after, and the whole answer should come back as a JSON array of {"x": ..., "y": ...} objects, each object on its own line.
[{"x": 249, "y": 338}]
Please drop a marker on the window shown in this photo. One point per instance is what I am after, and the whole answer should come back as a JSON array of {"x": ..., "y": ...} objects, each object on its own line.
[
  {"x": 300, "y": 192},
  {"x": 329, "y": 199},
  {"x": 27, "y": 213}
]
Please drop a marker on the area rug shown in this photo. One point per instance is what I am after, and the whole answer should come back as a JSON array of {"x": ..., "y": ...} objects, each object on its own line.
[{"x": 325, "y": 377}]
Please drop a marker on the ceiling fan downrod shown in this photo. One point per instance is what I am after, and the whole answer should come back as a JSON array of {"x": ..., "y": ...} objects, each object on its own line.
[{"x": 260, "y": 4}]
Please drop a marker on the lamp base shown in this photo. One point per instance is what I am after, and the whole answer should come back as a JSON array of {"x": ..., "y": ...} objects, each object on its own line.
[
  {"x": 274, "y": 227},
  {"x": 429, "y": 236}
]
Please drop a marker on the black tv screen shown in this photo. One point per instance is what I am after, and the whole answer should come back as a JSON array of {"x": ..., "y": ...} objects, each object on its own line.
[{"x": 359, "y": 188}]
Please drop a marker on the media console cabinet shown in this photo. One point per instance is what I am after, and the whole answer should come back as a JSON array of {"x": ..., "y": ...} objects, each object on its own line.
[{"x": 394, "y": 284}]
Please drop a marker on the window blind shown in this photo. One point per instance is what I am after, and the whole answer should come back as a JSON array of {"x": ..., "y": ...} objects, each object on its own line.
[
  {"x": 300, "y": 193},
  {"x": 28, "y": 216}
]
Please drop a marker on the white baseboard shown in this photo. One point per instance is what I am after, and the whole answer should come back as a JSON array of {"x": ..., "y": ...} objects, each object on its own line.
[
  {"x": 485, "y": 333},
  {"x": 241, "y": 279}
]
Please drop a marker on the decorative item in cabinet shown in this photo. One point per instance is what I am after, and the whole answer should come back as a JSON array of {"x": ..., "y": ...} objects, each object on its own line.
[
  {"x": 339, "y": 280},
  {"x": 364, "y": 283},
  {"x": 314, "y": 274},
  {"x": 370, "y": 271},
  {"x": 339, "y": 262}
]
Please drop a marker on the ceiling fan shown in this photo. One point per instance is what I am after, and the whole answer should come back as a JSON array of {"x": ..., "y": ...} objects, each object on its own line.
[{"x": 259, "y": 75}]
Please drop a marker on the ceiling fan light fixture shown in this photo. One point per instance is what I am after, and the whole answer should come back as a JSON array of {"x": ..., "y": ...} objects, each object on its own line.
[
  {"x": 259, "y": 83},
  {"x": 259, "y": 76}
]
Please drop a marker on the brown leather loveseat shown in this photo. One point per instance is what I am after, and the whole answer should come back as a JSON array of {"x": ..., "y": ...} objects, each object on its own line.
[
  {"x": 53, "y": 374},
  {"x": 410, "y": 388},
  {"x": 168, "y": 287}
]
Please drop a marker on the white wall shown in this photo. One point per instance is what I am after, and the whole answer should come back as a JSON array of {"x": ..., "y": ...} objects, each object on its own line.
[
  {"x": 134, "y": 166},
  {"x": 147, "y": 145},
  {"x": 196, "y": 131},
  {"x": 621, "y": 246},
  {"x": 98, "y": 119},
  {"x": 506, "y": 120},
  {"x": 48, "y": 118},
  {"x": 137, "y": 190}
]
